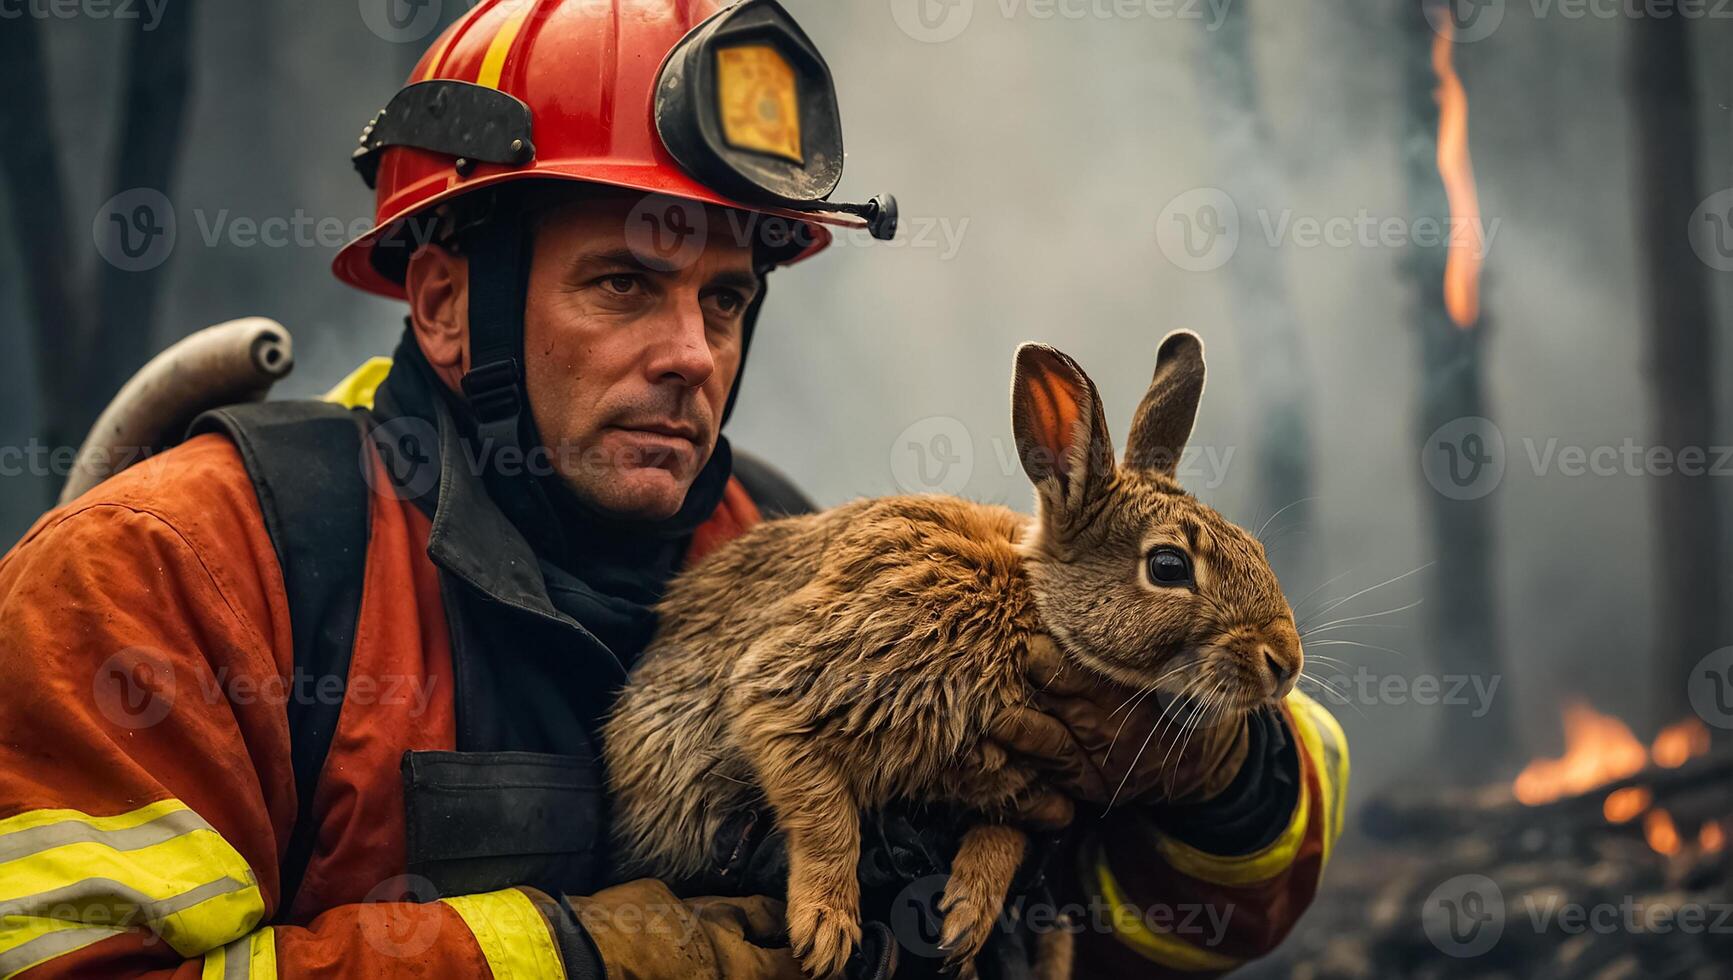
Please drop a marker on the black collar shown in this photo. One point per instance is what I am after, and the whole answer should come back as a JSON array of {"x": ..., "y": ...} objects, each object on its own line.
[{"x": 484, "y": 521}]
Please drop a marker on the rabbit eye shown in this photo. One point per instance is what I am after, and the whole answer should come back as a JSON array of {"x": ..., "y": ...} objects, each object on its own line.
[{"x": 1169, "y": 566}]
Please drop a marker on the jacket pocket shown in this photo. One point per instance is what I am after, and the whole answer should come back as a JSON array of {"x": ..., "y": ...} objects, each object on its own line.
[{"x": 482, "y": 821}]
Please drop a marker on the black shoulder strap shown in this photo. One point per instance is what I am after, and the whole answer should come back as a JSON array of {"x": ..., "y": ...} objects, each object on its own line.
[
  {"x": 775, "y": 494},
  {"x": 306, "y": 463}
]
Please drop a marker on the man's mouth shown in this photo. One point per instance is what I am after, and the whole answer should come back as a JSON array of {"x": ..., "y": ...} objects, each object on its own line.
[{"x": 672, "y": 430}]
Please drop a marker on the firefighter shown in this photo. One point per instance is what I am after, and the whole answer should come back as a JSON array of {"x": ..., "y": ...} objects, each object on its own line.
[{"x": 316, "y": 693}]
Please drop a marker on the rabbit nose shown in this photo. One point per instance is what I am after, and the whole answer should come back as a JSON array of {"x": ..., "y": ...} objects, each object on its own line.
[{"x": 1282, "y": 670}]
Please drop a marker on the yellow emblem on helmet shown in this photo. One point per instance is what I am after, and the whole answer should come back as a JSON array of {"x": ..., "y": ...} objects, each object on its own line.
[{"x": 759, "y": 107}]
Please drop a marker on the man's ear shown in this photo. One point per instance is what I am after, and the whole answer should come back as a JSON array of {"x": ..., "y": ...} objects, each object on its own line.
[
  {"x": 437, "y": 284},
  {"x": 1061, "y": 433},
  {"x": 1164, "y": 420}
]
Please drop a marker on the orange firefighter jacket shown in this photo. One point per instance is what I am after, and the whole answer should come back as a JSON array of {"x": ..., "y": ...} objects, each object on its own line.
[{"x": 147, "y": 797}]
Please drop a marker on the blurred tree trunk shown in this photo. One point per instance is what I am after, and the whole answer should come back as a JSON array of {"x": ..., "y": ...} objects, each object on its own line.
[
  {"x": 40, "y": 223},
  {"x": 152, "y": 124},
  {"x": 1264, "y": 315},
  {"x": 1691, "y": 592},
  {"x": 1461, "y": 597},
  {"x": 92, "y": 321}
]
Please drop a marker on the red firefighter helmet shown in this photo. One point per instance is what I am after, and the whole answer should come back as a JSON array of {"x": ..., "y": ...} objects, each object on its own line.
[{"x": 727, "y": 105}]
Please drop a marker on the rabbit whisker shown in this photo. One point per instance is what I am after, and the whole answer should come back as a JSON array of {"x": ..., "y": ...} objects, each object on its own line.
[{"x": 1372, "y": 588}]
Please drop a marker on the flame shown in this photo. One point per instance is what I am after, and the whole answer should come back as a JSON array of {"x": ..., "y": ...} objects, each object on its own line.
[
  {"x": 1623, "y": 805},
  {"x": 1711, "y": 838},
  {"x": 1658, "y": 829},
  {"x": 1679, "y": 742},
  {"x": 1598, "y": 749},
  {"x": 1466, "y": 252}
]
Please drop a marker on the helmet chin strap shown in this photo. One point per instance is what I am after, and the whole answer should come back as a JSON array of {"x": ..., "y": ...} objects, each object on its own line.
[{"x": 499, "y": 261}]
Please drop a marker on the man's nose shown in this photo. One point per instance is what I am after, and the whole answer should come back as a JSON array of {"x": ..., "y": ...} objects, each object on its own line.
[{"x": 682, "y": 353}]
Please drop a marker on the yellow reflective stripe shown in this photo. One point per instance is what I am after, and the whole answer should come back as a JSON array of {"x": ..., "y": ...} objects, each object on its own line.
[
  {"x": 251, "y": 957},
  {"x": 513, "y": 935},
  {"x": 1243, "y": 869},
  {"x": 358, "y": 389},
  {"x": 493, "y": 62},
  {"x": 28, "y": 940},
  {"x": 32, "y": 819},
  {"x": 1332, "y": 762},
  {"x": 1164, "y": 948},
  {"x": 160, "y": 866}
]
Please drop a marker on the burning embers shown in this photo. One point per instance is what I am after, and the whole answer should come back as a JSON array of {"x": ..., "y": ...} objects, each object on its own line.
[{"x": 1600, "y": 749}]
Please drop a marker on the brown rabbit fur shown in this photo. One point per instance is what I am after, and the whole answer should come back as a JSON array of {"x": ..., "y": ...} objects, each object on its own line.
[{"x": 843, "y": 660}]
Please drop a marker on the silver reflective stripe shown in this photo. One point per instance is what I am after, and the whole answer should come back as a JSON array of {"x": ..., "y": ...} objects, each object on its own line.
[
  {"x": 93, "y": 891},
  {"x": 50, "y": 945},
  {"x": 238, "y": 959},
  {"x": 23, "y": 843}
]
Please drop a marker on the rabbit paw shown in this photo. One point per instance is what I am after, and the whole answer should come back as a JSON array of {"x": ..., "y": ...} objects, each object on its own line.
[
  {"x": 822, "y": 938},
  {"x": 969, "y": 922}
]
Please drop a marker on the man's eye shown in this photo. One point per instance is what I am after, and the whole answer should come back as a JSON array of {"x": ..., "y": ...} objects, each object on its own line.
[
  {"x": 619, "y": 285},
  {"x": 728, "y": 301}
]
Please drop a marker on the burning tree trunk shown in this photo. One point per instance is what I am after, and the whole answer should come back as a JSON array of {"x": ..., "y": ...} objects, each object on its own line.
[
  {"x": 1440, "y": 179},
  {"x": 1692, "y": 586},
  {"x": 1247, "y": 172}
]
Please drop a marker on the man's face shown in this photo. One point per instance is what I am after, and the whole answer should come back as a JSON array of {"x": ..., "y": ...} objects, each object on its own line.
[{"x": 628, "y": 367}]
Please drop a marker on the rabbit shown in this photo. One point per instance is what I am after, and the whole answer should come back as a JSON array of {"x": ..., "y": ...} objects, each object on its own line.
[{"x": 843, "y": 660}]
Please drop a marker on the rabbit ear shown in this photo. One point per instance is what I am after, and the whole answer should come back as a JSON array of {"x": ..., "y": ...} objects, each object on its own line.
[
  {"x": 1164, "y": 420},
  {"x": 1059, "y": 426}
]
